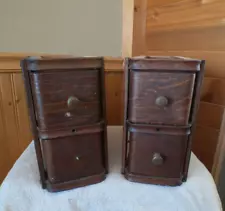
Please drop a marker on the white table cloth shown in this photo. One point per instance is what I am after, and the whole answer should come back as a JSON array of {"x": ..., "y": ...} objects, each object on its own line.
[{"x": 21, "y": 190}]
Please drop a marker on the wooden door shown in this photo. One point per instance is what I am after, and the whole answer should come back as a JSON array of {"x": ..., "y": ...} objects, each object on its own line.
[{"x": 192, "y": 28}]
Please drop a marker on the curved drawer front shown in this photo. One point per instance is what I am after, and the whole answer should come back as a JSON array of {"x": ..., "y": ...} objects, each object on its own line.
[
  {"x": 66, "y": 98},
  {"x": 159, "y": 152},
  {"x": 73, "y": 157},
  {"x": 160, "y": 97}
]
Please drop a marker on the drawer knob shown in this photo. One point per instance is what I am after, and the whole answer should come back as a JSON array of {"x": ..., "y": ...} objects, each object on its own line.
[
  {"x": 157, "y": 159},
  {"x": 161, "y": 101},
  {"x": 72, "y": 102}
]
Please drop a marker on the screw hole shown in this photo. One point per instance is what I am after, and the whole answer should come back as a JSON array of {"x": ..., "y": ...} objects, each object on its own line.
[
  {"x": 73, "y": 130},
  {"x": 157, "y": 129}
]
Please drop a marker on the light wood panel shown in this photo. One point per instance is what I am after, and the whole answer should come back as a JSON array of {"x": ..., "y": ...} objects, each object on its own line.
[
  {"x": 134, "y": 27},
  {"x": 114, "y": 95},
  {"x": 204, "y": 144},
  {"x": 9, "y": 116},
  {"x": 182, "y": 14},
  {"x": 210, "y": 115},
  {"x": 24, "y": 131},
  {"x": 188, "y": 39}
]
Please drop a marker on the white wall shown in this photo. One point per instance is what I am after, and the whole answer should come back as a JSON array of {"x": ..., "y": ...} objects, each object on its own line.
[{"x": 79, "y": 27}]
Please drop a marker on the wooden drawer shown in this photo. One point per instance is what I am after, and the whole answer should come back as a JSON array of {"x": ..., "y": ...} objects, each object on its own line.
[
  {"x": 66, "y": 98},
  {"x": 157, "y": 97},
  {"x": 66, "y": 101},
  {"x": 157, "y": 152},
  {"x": 73, "y": 157}
]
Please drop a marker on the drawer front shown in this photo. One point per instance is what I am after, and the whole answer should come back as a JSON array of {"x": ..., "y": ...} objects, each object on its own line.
[
  {"x": 160, "y": 97},
  {"x": 73, "y": 157},
  {"x": 157, "y": 155},
  {"x": 66, "y": 98}
]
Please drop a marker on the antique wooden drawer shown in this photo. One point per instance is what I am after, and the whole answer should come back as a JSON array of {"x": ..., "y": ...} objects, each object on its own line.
[
  {"x": 160, "y": 90},
  {"x": 66, "y": 101},
  {"x": 157, "y": 152},
  {"x": 66, "y": 98},
  {"x": 158, "y": 97},
  {"x": 162, "y": 95},
  {"x": 74, "y": 157}
]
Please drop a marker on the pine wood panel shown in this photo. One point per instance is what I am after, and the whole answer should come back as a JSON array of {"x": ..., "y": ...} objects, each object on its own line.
[
  {"x": 187, "y": 39},
  {"x": 9, "y": 118},
  {"x": 114, "y": 103},
  {"x": 204, "y": 146},
  {"x": 21, "y": 111},
  {"x": 210, "y": 115},
  {"x": 213, "y": 91},
  {"x": 172, "y": 15},
  {"x": 5, "y": 161}
]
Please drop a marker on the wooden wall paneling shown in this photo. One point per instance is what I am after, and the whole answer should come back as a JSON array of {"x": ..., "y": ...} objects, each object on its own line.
[
  {"x": 134, "y": 27},
  {"x": 127, "y": 30},
  {"x": 9, "y": 118},
  {"x": 21, "y": 110},
  {"x": 114, "y": 98},
  {"x": 213, "y": 90},
  {"x": 210, "y": 115},
  {"x": 114, "y": 90},
  {"x": 204, "y": 146},
  {"x": 188, "y": 39},
  {"x": 174, "y": 14},
  {"x": 220, "y": 153},
  {"x": 5, "y": 160}
]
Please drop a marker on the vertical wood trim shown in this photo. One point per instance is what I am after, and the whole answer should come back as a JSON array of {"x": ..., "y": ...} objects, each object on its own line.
[
  {"x": 9, "y": 116},
  {"x": 127, "y": 27},
  {"x": 15, "y": 110},
  {"x": 139, "y": 27},
  {"x": 220, "y": 152},
  {"x": 24, "y": 129},
  {"x": 134, "y": 27}
]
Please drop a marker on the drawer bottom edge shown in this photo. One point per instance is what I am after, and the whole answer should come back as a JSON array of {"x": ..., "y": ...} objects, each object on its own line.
[
  {"x": 153, "y": 180},
  {"x": 81, "y": 182}
]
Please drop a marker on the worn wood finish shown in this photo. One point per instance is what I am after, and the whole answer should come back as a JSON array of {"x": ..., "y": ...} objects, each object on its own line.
[
  {"x": 73, "y": 152},
  {"x": 157, "y": 139},
  {"x": 52, "y": 90},
  {"x": 146, "y": 87},
  {"x": 61, "y": 99}
]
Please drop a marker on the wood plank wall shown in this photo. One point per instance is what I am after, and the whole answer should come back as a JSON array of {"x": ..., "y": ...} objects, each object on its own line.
[
  {"x": 194, "y": 28},
  {"x": 15, "y": 132}
]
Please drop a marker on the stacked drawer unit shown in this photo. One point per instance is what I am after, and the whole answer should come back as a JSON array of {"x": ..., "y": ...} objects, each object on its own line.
[
  {"x": 66, "y": 103},
  {"x": 161, "y": 100}
]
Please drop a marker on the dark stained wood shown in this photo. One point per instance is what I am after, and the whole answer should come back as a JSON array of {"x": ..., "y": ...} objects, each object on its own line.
[
  {"x": 73, "y": 157},
  {"x": 147, "y": 86},
  {"x": 51, "y": 92},
  {"x": 76, "y": 183},
  {"x": 67, "y": 106},
  {"x": 172, "y": 148},
  {"x": 160, "y": 111}
]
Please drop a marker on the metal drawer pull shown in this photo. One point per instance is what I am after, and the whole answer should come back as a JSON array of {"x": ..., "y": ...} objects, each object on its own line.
[
  {"x": 161, "y": 101},
  {"x": 72, "y": 102},
  {"x": 157, "y": 159}
]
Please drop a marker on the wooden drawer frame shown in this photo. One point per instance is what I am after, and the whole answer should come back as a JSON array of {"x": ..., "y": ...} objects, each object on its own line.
[
  {"x": 196, "y": 66},
  {"x": 34, "y": 64}
]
